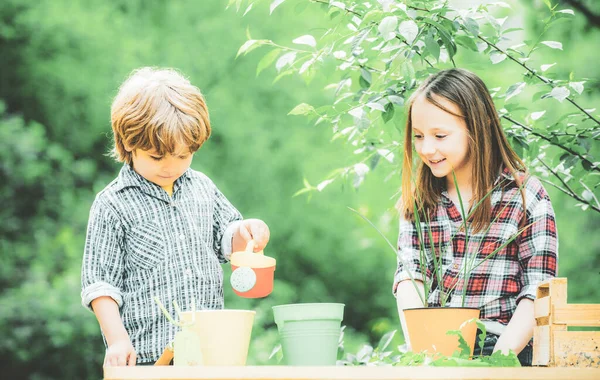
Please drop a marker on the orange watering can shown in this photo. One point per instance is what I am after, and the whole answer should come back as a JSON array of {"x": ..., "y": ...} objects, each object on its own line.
[{"x": 252, "y": 273}]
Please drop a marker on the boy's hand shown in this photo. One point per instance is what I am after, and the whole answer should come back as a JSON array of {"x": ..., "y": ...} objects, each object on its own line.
[
  {"x": 120, "y": 353},
  {"x": 254, "y": 229}
]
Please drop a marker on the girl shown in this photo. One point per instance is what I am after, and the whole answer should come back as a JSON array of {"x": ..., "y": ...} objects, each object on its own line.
[{"x": 454, "y": 128}]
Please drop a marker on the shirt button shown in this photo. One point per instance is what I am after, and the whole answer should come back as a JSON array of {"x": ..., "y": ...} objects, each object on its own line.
[
  {"x": 188, "y": 272},
  {"x": 182, "y": 236},
  {"x": 455, "y": 266}
]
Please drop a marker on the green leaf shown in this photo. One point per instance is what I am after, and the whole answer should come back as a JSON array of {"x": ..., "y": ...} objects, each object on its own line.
[
  {"x": 285, "y": 60},
  {"x": 498, "y": 359},
  {"x": 566, "y": 11},
  {"x": 387, "y": 27},
  {"x": 385, "y": 341},
  {"x": 302, "y": 109},
  {"x": 546, "y": 67},
  {"x": 433, "y": 47},
  {"x": 409, "y": 30},
  {"x": 463, "y": 346},
  {"x": 577, "y": 86},
  {"x": 560, "y": 93},
  {"x": 408, "y": 71},
  {"x": 389, "y": 112},
  {"x": 267, "y": 60},
  {"x": 497, "y": 57},
  {"x": 250, "y": 45},
  {"x": 371, "y": 16},
  {"x": 445, "y": 36},
  {"x": 553, "y": 44},
  {"x": 306, "y": 39},
  {"x": 366, "y": 75},
  {"x": 274, "y": 5},
  {"x": 363, "y": 83},
  {"x": 514, "y": 90},
  {"x": 548, "y": 4},
  {"x": 467, "y": 42},
  {"x": 537, "y": 115},
  {"x": 472, "y": 26}
]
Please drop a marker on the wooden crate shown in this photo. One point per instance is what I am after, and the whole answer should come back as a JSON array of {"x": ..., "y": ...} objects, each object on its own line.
[{"x": 553, "y": 345}]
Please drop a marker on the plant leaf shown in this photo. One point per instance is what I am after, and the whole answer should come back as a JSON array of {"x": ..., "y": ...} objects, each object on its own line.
[
  {"x": 387, "y": 27},
  {"x": 560, "y": 93},
  {"x": 553, "y": 44},
  {"x": 285, "y": 60},
  {"x": 514, "y": 90},
  {"x": 302, "y": 109},
  {"x": 409, "y": 30},
  {"x": 267, "y": 60},
  {"x": 274, "y": 5},
  {"x": 306, "y": 39}
]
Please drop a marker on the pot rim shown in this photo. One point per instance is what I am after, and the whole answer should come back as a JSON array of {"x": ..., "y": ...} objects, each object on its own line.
[
  {"x": 219, "y": 311},
  {"x": 442, "y": 308}
]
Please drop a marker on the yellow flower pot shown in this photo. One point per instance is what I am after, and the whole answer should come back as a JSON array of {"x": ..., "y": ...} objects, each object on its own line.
[{"x": 224, "y": 335}]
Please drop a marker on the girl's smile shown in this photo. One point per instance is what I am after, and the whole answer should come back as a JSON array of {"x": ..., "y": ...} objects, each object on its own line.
[{"x": 441, "y": 138}]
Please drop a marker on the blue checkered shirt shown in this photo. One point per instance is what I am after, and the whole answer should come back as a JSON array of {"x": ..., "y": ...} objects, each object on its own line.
[{"x": 143, "y": 243}]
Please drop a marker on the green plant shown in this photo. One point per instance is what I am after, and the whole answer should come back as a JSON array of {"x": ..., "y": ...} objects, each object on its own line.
[
  {"x": 383, "y": 355},
  {"x": 470, "y": 262}
]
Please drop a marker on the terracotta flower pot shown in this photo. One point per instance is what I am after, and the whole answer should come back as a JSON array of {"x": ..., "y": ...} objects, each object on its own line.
[{"x": 427, "y": 328}]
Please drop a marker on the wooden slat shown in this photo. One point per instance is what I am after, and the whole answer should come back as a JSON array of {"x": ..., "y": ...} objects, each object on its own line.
[
  {"x": 577, "y": 348},
  {"x": 558, "y": 291},
  {"x": 541, "y": 345},
  {"x": 541, "y": 307},
  {"x": 576, "y": 314},
  {"x": 347, "y": 373}
]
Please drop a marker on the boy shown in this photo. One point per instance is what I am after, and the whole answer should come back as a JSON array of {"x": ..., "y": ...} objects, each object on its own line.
[{"x": 160, "y": 228}]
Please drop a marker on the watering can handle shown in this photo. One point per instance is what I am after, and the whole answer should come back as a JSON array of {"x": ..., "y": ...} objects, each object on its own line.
[{"x": 250, "y": 247}]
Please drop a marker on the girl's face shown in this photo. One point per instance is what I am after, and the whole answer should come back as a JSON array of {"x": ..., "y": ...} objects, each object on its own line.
[
  {"x": 161, "y": 170},
  {"x": 441, "y": 139}
]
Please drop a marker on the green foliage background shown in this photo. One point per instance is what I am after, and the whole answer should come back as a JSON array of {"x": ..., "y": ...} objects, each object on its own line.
[{"x": 61, "y": 62}]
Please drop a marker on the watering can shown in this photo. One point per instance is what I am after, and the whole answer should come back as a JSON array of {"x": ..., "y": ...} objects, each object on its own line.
[{"x": 252, "y": 272}]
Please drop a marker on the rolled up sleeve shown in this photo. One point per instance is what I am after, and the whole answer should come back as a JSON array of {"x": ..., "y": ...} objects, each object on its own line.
[
  {"x": 538, "y": 244},
  {"x": 102, "y": 266},
  {"x": 408, "y": 258},
  {"x": 225, "y": 221}
]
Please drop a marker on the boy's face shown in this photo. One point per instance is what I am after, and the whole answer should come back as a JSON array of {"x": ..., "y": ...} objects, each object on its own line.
[{"x": 162, "y": 170}]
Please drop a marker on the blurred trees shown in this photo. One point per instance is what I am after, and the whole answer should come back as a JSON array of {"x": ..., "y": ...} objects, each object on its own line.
[{"x": 61, "y": 63}]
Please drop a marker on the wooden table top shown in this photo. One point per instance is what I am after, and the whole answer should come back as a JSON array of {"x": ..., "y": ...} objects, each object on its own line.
[{"x": 348, "y": 373}]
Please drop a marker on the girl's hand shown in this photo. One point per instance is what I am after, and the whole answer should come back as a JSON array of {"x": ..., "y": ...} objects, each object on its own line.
[
  {"x": 257, "y": 230},
  {"x": 120, "y": 353}
]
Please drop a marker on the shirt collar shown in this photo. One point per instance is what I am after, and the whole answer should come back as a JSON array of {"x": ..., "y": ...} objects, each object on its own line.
[
  {"x": 504, "y": 174},
  {"x": 128, "y": 177}
]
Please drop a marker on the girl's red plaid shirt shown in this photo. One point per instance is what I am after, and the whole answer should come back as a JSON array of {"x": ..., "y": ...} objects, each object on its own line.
[{"x": 513, "y": 273}]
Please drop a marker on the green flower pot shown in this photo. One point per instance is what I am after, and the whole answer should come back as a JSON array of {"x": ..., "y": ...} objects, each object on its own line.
[{"x": 309, "y": 332}]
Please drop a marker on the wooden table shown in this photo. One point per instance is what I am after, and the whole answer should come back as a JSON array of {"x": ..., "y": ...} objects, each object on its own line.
[{"x": 347, "y": 373}]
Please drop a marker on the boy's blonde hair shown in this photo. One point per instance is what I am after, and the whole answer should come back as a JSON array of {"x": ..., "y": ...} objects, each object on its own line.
[{"x": 158, "y": 109}]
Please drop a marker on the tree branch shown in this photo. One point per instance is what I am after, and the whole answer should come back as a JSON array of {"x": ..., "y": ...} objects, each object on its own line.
[
  {"x": 569, "y": 191},
  {"x": 544, "y": 137},
  {"x": 538, "y": 76}
]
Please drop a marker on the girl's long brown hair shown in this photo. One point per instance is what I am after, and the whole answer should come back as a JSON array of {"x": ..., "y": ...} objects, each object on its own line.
[{"x": 488, "y": 147}]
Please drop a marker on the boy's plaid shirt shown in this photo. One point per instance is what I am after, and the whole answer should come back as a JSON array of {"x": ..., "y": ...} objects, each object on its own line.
[
  {"x": 142, "y": 243},
  {"x": 513, "y": 273}
]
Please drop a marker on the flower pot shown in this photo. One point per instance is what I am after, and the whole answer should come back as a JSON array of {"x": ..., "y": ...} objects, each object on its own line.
[
  {"x": 427, "y": 328},
  {"x": 309, "y": 332},
  {"x": 252, "y": 273},
  {"x": 224, "y": 335}
]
